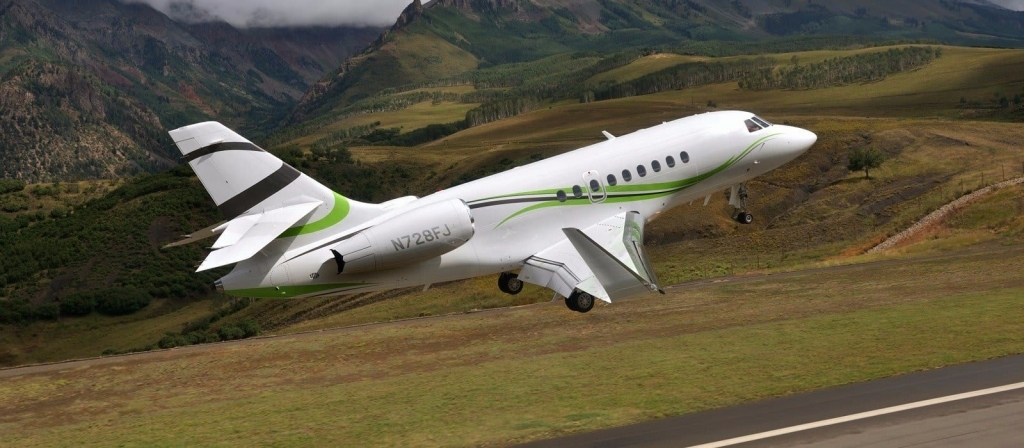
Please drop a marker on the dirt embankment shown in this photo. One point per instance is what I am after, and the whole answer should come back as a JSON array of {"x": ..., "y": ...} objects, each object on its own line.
[{"x": 940, "y": 214}]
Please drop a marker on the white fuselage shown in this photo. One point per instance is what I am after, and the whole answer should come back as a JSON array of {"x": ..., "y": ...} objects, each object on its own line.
[{"x": 520, "y": 212}]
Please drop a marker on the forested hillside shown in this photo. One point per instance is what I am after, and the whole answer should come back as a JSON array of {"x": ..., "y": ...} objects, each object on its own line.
[{"x": 89, "y": 88}]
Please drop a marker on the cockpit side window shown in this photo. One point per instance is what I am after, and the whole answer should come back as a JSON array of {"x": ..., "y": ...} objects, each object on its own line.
[
  {"x": 764, "y": 123},
  {"x": 751, "y": 126}
]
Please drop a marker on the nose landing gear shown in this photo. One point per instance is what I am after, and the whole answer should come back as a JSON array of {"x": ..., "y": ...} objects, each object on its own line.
[{"x": 738, "y": 199}]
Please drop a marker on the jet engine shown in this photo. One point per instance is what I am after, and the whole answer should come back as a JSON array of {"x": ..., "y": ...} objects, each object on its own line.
[{"x": 416, "y": 235}]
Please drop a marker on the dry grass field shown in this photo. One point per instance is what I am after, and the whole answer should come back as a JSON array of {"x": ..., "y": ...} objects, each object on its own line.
[{"x": 498, "y": 377}]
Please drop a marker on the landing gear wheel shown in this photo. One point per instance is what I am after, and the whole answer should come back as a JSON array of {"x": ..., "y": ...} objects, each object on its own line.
[
  {"x": 744, "y": 218},
  {"x": 509, "y": 283},
  {"x": 580, "y": 301}
]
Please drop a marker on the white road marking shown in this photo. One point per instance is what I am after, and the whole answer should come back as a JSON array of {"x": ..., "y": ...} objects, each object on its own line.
[{"x": 862, "y": 415}]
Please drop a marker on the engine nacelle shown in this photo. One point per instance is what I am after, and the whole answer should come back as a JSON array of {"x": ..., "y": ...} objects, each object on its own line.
[{"x": 416, "y": 235}]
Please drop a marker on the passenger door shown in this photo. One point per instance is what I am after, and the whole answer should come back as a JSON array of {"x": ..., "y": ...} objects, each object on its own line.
[{"x": 595, "y": 188}]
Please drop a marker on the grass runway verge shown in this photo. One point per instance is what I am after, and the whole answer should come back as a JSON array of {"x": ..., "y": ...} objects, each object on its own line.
[{"x": 537, "y": 371}]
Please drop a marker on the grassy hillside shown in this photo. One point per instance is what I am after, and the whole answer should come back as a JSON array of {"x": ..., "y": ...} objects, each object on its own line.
[{"x": 530, "y": 373}]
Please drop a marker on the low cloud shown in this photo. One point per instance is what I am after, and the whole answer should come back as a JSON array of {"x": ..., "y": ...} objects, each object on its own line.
[
  {"x": 1016, "y": 5},
  {"x": 282, "y": 13}
]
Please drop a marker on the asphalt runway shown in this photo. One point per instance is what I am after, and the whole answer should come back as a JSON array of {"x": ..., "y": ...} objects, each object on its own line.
[{"x": 993, "y": 419}]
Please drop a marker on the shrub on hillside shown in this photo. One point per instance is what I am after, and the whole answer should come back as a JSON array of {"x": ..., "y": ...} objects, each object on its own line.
[
  {"x": 47, "y": 311},
  {"x": 11, "y": 185},
  {"x": 171, "y": 340},
  {"x": 249, "y": 327},
  {"x": 121, "y": 301},
  {"x": 78, "y": 304},
  {"x": 231, "y": 332},
  {"x": 15, "y": 312}
]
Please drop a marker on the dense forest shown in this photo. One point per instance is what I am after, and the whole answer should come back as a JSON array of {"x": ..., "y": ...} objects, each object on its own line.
[{"x": 837, "y": 71}]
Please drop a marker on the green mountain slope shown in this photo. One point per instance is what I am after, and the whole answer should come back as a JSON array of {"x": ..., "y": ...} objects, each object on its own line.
[{"x": 483, "y": 44}]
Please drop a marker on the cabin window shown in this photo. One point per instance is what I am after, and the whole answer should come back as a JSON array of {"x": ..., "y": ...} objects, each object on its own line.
[
  {"x": 670, "y": 162},
  {"x": 684, "y": 157},
  {"x": 595, "y": 186},
  {"x": 611, "y": 180},
  {"x": 655, "y": 166},
  {"x": 626, "y": 176},
  {"x": 641, "y": 171},
  {"x": 764, "y": 123},
  {"x": 577, "y": 191},
  {"x": 751, "y": 126},
  {"x": 560, "y": 195}
]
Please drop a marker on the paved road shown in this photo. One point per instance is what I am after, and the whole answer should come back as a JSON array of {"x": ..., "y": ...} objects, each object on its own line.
[{"x": 991, "y": 420}]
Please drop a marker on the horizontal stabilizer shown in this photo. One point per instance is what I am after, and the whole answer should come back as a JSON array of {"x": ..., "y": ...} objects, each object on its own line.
[
  {"x": 235, "y": 230},
  {"x": 268, "y": 226},
  {"x": 198, "y": 235}
]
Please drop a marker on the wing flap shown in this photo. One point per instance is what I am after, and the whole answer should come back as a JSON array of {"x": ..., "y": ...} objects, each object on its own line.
[
  {"x": 265, "y": 229},
  {"x": 561, "y": 269}
]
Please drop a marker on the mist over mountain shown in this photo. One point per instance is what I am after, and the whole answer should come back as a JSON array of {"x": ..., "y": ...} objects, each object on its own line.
[{"x": 272, "y": 13}]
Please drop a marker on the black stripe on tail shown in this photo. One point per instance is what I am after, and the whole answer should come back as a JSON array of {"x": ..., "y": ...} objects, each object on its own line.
[
  {"x": 218, "y": 147},
  {"x": 259, "y": 192}
]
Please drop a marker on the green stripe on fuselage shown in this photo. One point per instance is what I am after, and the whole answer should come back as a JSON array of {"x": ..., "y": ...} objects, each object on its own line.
[
  {"x": 640, "y": 191},
  {"x": 337, "y": 214}
]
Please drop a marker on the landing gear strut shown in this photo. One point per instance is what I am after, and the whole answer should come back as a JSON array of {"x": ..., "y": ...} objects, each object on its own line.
[
  {"x": 580, "y": 301},
  {"x": 509, "y": 283},
  {"x": 738, "y": 199}
]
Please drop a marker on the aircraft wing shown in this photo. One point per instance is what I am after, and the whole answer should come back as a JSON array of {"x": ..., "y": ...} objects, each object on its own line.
[
  {"x": 606, "y": 260},
  {"x": 246, "y": 235}
]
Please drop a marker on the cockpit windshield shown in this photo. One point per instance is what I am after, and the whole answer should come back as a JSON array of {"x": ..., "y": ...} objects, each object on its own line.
[{"x": 755, "y": 124}]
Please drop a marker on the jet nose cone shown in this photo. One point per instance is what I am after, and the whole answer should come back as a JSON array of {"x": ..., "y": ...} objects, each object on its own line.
[{"x": 804, "y": 139}]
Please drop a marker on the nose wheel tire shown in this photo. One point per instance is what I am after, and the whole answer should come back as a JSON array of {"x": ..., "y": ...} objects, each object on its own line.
[
  {"x": 580, "y": 301},
  {"x": 509, "y": 283},
  {"x": 744, "y": 218}
]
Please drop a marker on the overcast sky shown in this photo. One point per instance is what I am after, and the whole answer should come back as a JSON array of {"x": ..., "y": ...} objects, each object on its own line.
[
  {"x": 247, "y": 13},
  {"x": 1016, "y": 5}
]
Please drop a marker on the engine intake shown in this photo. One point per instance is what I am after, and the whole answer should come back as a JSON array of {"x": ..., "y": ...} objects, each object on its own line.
[{"x": 416, "y": 235}]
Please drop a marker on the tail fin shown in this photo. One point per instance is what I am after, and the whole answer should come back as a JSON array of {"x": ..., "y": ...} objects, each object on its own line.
[{"x": 244, "y": 179}]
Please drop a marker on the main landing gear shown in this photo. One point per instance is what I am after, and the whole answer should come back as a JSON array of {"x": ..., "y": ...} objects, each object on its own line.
[
  {"x": 509, "y": 283},
  {"x": 580, "y": 301},
  {"x": 738, "y": 199}
]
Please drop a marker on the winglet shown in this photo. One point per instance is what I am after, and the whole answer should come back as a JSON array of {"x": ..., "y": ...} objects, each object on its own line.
[{"x": 618, "y": 280}]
